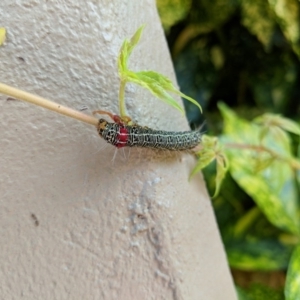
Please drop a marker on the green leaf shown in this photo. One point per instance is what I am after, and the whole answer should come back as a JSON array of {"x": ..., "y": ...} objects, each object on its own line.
[
  {"x": 211, "y": 150},
  {"x": 155, "y": 79},
  {"x": 222, "y": 167},
  {"x": 273, "y": 189},
  {"x": 263, "y": 163},
  {"x": 188, "y": 98},
  {"x": 298, "y": 172},
  {"x": 251, "y": 254},
  {"x": 153, "y": 86},
  {"x": 171, "y": 11},
  {"x": 271, "y": 120},
  {"x": 288, "y": 16},
  {"x": 246, "y": 221},
  {"x": 126, "y": 49},
  {"x": 206, "y": 156},
  {"x": 258, "y": 18},
  {"x": 158, "y": 84},
  {"x": 135, "y": 38},
  {"x": 292, "y": 286}
]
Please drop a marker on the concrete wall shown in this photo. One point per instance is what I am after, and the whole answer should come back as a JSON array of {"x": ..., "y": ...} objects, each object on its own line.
[{"x": 77, "y": 220}]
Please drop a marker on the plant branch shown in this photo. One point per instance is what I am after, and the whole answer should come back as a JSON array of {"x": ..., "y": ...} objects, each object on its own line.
[
  {"x": 122, "y": 107},
  {"x": 37, "y": 100}
]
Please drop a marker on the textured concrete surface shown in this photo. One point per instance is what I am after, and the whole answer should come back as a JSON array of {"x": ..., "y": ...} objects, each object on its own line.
[{"x": 77, "y": 219}]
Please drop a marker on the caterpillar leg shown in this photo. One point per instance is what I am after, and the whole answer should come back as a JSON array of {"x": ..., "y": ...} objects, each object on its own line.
[
  {"x": 103, "y": 112},
  {"x": 117, "y": 119}
]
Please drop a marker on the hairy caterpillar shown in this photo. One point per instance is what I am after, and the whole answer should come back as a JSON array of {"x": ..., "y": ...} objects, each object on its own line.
[{"x": 121, "y": 135}]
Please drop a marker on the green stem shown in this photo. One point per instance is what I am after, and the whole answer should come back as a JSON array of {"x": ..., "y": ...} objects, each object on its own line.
[{"x": 122, "y": 107}]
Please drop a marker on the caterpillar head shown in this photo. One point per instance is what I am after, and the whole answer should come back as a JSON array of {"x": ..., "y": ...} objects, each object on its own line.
[{"x": 101, "y": 126}]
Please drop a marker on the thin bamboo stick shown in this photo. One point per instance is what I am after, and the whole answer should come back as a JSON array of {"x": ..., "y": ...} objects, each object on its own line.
[{"x": 37, "y": 100}]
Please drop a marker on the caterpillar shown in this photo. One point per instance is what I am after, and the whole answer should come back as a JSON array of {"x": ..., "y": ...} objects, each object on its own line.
[{"x": 121, "y": 135}]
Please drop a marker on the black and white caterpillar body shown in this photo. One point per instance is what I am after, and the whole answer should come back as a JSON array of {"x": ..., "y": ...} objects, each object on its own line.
[{"x": 122, "y": 135}]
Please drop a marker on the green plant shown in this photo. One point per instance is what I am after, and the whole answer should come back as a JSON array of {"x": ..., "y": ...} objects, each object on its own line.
[
  {"x": 246, "y": 53},
  {"x": 158, "y": 84},
  {"x": 258, "y": 156}
]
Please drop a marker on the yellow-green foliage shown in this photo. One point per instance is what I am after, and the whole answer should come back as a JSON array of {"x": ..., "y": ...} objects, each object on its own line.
[
  {"x": 2, "y": 35},
  {"x": 158, "y": 84}
]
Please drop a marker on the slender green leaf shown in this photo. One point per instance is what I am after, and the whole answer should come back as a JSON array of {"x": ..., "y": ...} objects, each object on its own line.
[
  {"x": 246, "y": 221},
  {"x": 292, "y": 286},
  {"x": 222, "y": 167},
  {"x": 135, "y": 39},
  {"x": 188, "y": 98},
  {"x": 126, "y": 49},
  {"x": 123, "y": 57}
]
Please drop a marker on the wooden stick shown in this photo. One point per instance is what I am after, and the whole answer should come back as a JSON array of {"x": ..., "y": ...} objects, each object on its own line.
[{"x": 37, "y": 100}]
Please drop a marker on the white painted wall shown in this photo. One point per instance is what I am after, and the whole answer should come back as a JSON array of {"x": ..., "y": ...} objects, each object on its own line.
[{"x": 73, "y": 223}]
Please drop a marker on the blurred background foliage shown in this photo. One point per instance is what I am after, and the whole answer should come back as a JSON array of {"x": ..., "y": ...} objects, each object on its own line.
[{"x": 246, "y": 53}]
